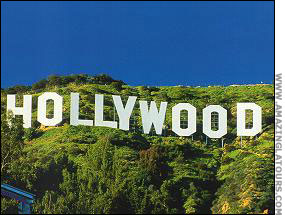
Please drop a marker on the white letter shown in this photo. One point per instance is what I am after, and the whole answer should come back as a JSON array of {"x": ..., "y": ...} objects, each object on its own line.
[
  {"x": 124, "y": 113},
  {"x": 207, "y": 121},
  {"x": 152, "y": 116},
  {"x": 176, "y": 110},
  {"x": 99, "y": 113},
  {"x": 42, "y": 109},
  {"x": 26, "y": 110},
  {"x": 256, "y": 119},
  {"x": 74, "y": 112}
]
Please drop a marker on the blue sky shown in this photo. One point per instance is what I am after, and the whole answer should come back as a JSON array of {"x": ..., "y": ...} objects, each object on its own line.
[{"x": 141, "y": 43}]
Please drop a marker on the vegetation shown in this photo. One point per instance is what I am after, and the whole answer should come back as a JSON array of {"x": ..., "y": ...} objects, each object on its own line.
[{"x": 102, "y": 170}]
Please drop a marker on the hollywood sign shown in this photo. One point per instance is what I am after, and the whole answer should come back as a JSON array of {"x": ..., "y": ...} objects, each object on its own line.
[{"x": 150, "y": 115}]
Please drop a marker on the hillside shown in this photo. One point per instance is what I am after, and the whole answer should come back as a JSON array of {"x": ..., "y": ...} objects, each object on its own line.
[{"x": 102, "y": 170}]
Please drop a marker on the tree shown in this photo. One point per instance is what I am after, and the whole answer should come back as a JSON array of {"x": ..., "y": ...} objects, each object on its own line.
[
  {"x": 12, "y": 133},
  {"x": 54, "y": 80},
  {"x": 104, "y": 79},
  {"x": 81, "y": 79},
  {"x": 8, "y": 206},
  {"x": 180, "y": 93},
  {"x": 17, "y": 89},
  {"x": 117, "y": 85},
  {"x": 40, "y": 84}
]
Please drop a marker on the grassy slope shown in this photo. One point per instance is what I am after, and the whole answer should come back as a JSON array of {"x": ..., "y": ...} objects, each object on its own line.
[{"x": 232, "y": 179}]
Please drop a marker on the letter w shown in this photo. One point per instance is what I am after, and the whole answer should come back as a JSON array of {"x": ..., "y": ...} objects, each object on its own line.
[{"x": 152, "y": 116}]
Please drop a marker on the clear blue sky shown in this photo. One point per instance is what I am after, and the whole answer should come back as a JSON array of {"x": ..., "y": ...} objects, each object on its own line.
[{"x": 141, "y": 43}]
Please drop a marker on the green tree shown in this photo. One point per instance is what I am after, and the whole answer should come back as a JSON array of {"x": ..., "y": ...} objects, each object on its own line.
[
  {"x": 12, "y": 133},
  {"x": 117, "y": 85},
  {"x": 54, "y": 80},
  {"x": 40, "y": 84}
]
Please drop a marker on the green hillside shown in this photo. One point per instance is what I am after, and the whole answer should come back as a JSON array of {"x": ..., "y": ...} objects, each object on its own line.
[{"x": 102, "y": 170}]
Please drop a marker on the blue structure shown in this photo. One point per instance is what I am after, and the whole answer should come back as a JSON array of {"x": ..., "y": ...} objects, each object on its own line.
[{"x": 25, "y": 199}]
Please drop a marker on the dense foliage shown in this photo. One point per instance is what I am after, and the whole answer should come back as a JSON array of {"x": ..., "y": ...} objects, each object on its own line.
[{"x": 101, "y": 170}]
